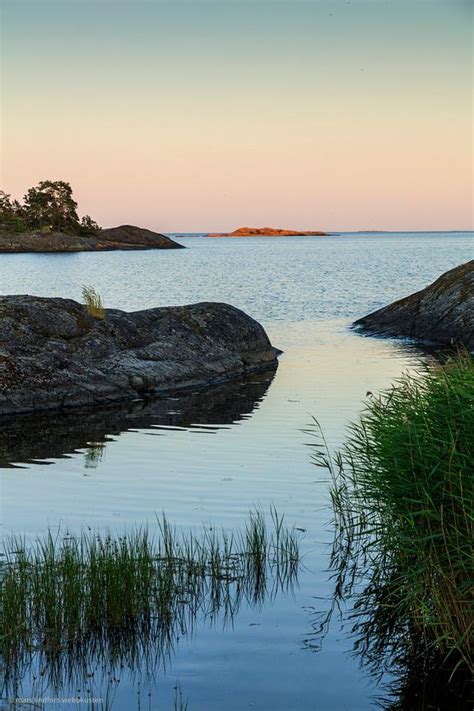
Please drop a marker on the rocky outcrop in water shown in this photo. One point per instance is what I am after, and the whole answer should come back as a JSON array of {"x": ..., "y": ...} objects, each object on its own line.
[
  {"x": 112, "y": 238},
  {"x": 443, "y": 312},
  {"x": 55, "y": 356},
  {"x": 263, "y": 232}
]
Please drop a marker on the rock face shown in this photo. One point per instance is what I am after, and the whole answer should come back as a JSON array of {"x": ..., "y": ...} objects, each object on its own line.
[
  {"x": 262, "y": 232},
  {"x": 54, "y": 356},
  {"x": 442, "y": 313},
  {"x": 123, "y": 237}
]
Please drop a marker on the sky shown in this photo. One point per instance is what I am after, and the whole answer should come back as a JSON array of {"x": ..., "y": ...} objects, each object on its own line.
[{"x": 205, "y": 115}]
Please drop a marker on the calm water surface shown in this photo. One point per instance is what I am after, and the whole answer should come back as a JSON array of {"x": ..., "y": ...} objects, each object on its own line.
[{"x": 210, "y": 457}]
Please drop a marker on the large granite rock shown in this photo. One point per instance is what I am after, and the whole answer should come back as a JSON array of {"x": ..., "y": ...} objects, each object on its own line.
[
  {"x": 122, "y": 237},
  {"x": 441, "y": 313},
  {"x": 54, "y": 356}
]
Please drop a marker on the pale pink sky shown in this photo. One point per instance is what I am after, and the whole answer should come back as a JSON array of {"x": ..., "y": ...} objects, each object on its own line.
[{"x": 207, "y": 116}]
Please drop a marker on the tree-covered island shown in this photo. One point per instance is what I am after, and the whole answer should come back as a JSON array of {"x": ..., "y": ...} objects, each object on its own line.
[{"x": 47, "y": 221}]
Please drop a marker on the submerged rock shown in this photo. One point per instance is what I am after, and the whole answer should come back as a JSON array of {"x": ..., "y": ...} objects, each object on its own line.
[
  {"x": 443, "y": 312},
  {"x": 111, "y": 238},
  {"x": 55, "y": 356}
]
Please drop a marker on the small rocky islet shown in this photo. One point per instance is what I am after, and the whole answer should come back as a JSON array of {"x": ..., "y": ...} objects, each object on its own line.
[
  {"x": 265, "y": 232},
  {"x": 441, "y": 313}
]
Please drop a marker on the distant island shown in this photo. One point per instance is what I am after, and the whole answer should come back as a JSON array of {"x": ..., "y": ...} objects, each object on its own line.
[
  {"x": 47, "y": 221},
  {"x": 113, "y": 238},
  {"x": 265, "y": 232}
]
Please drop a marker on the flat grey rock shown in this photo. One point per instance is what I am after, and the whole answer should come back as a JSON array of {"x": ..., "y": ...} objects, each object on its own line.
[
  {"x": 54, "y": 356},
  {"x": 443, "y": 312}
]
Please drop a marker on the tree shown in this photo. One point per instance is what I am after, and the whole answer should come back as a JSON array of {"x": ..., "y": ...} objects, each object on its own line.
[
  {"x": 6, "y": 208},
  {"x": 88, "y": 225},
  {"x": 48, "y": 206},
  {"x": 11, "y": 214},
  {"x": 51, "y": 204}
]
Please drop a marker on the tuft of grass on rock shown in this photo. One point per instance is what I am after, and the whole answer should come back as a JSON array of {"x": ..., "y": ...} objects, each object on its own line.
[{"x": 93, "y": 302}]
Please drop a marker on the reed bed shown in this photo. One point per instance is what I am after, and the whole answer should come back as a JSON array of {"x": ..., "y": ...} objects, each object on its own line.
[
  {"x": 126, "y": 600},
  {"x": 402, "y": 495}
]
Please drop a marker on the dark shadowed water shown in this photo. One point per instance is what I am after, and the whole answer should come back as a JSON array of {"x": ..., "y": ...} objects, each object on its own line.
[{"x": 209, "y": 457}]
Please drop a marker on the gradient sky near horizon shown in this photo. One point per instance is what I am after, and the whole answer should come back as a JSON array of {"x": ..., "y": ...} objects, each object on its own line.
[{"x": 210, "y": 114}]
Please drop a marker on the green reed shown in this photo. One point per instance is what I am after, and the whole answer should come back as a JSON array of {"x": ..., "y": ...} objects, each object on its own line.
[
  {"x": 126, "y": 599},
  {"x": 402, "y": 494}
]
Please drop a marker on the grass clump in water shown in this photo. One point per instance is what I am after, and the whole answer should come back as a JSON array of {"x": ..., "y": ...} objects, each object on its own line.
[
  {"x": 403, "y": 498},
  {"x": 74, "y": 599},
  {"x": 93, "y": 302}
]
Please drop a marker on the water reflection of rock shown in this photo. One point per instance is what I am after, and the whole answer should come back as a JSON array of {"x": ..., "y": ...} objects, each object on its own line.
[{"x": 27, "y": 438}]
